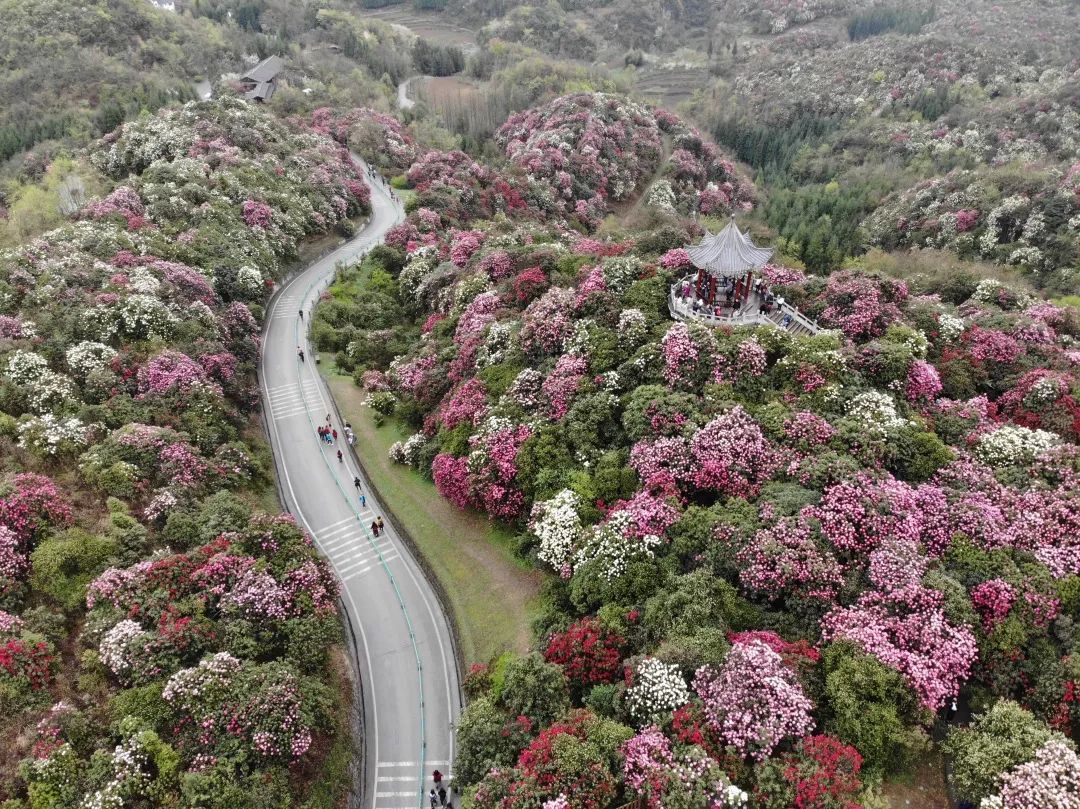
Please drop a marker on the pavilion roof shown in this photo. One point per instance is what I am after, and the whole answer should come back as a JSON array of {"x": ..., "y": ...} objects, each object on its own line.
[{"x": 729, "y": 253}]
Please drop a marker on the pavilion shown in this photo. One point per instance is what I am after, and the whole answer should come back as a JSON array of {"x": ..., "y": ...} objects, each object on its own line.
[{"x": 723, "y": 289}]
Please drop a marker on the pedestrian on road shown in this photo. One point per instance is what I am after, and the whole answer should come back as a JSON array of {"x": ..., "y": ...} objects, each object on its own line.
[
  {"x": 334, "y": 433},
  {"x": 442, "y": 796},
  {"x": 301, "y": 314},
  {"x": 380, "y": 522},
  {"x": 300, "y": 353},
  {"x": 436, "y": 777},
  {"x": 375, "y": 531},
  {"x": 434, "y": 796},
  {"x": 363, "y": 501},
  {"x": 356, "y": 482},
  {"x": 339, "y": 458}
]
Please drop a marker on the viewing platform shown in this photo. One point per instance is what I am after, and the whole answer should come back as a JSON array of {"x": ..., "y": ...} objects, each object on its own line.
[
  {"x": 747, "y": 315},
  {"x": 724, "y": 291}
]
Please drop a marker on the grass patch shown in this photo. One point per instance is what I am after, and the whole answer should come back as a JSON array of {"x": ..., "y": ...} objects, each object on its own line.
[
  {"x": 326, "y": 785},
  {"x": 493, "y": 594}
]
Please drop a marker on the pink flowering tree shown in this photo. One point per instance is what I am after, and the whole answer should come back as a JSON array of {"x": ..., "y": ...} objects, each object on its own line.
[
  {"x": 731, "y": 454},
  {"x": 562, "y": 384},
  {"x": 754, "y": 701},
  {"x": 862, "y": 306},
  {"x": 789, "y": 560},
  {"x": 546, "y": 324},
  {"x": 1051, "y": 779},
  {"x": 906, "y": 629},
  {"x": 451, "y": 477},
  {"x": 466, "y": 404}
]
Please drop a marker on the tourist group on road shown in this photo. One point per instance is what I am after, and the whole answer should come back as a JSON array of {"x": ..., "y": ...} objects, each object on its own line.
[{"x": 438, "y": 795}]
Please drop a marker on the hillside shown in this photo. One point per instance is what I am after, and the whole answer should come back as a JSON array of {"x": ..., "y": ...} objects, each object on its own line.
[
  {"x": 165, "y": 642},
  {"x": 781, "y": 565},
  {"x": 69, "y": 70}
]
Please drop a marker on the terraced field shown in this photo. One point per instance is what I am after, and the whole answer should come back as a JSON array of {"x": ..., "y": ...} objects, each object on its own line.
[
  {"x": 430, "y": 25},
  {"x": 670, "y": 87}
]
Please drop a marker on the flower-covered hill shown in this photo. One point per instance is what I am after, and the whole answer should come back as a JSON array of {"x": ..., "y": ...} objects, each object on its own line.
[
  {"x": 182, "y": 642},
  {"x": 588, "y": 150},
  {"x": 380, "y": 139},
  {"x": 777, "y": 562}
]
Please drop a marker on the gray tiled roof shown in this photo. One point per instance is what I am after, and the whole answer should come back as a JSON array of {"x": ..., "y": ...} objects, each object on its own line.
[
  {"x": 266, "y": 70},
  {"x": 729, "y": 253}
]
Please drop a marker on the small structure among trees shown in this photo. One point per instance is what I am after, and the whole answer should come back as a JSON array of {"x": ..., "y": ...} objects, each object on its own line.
[
  {"x": 260, "y": 83},
  {"x": 729, "y": 288}
]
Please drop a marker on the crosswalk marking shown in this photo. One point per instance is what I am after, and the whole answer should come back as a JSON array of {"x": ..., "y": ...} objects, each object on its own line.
[
  {"x": 333, "y": 524},
  {"x": 288, "y": 397},
  {"x": 307, "y": 383},
  {"x": 429, "y": 763},
  {"x": 360, "y": 547},
  {"x": 339, "y": 542},
  {"x": 360, "y": 559},
  {"x": 328, "y": 534},
  {"x": 356, "y": 572},
  {"x": 278, "y": 416}
]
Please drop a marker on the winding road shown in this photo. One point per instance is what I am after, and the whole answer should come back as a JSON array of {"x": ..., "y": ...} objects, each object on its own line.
[{"x": 408, "y": 675}]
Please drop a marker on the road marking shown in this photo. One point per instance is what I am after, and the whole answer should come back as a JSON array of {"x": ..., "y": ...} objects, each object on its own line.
[
  {"x": 430, "y": 763},
  {"x": 292, "y": 414},
  {"x": 353, "y": 526},
  {"x": 341, "y": 541},
  {"x": 350, "y": 564},
  {"x": 339, "y": 522},
  {"x": 339, "y": 548},
  {"x": 348, "y": 573},
  {"x": 307, "y": 383},
  {"x": 288, "y": 397}
]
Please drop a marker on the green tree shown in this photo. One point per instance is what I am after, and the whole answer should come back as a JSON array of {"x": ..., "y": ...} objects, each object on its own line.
[
  {"x": 872, "y": 709},
  {"x": 65, "y": 564},
  {"x": 536, "y": 689},
  {"x": 485, "y": 740},
  {"x": 1001, "y": 738}
]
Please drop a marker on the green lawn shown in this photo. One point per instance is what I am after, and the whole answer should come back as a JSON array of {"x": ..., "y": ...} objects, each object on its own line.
[{"x": 493, "y": 594}]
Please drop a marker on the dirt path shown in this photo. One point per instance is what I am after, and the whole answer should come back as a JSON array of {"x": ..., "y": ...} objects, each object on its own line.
[
  {"x": 625, "y": 211},
  {"x": 493, "y": 594}
]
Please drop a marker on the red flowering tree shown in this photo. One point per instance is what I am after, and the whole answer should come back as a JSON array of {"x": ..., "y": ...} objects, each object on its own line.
[
  {"x": 563, "y": 760},
  {"x": 588, "y": 652},
  {"x": 822, "y": 773}
]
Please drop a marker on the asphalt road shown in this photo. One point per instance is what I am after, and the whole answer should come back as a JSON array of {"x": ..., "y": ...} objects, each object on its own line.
[{"x": 408, "y": 675}]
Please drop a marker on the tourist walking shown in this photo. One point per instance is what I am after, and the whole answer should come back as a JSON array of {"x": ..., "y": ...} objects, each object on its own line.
[
  {"x": 436, "y": 777},
  {"x": 300, "y": 353},
  {"x": 340, "y": 459},
  {"x": 356, "y": 482},
  {"x": 301, "y": 314},
  {"x": 379, "y": 522},
  {"x": 434, "y": 799},
  {"x": 363, "y": 500},
  {"x": 442, "y": 796},
  {"x": 375, "y": 531}
]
